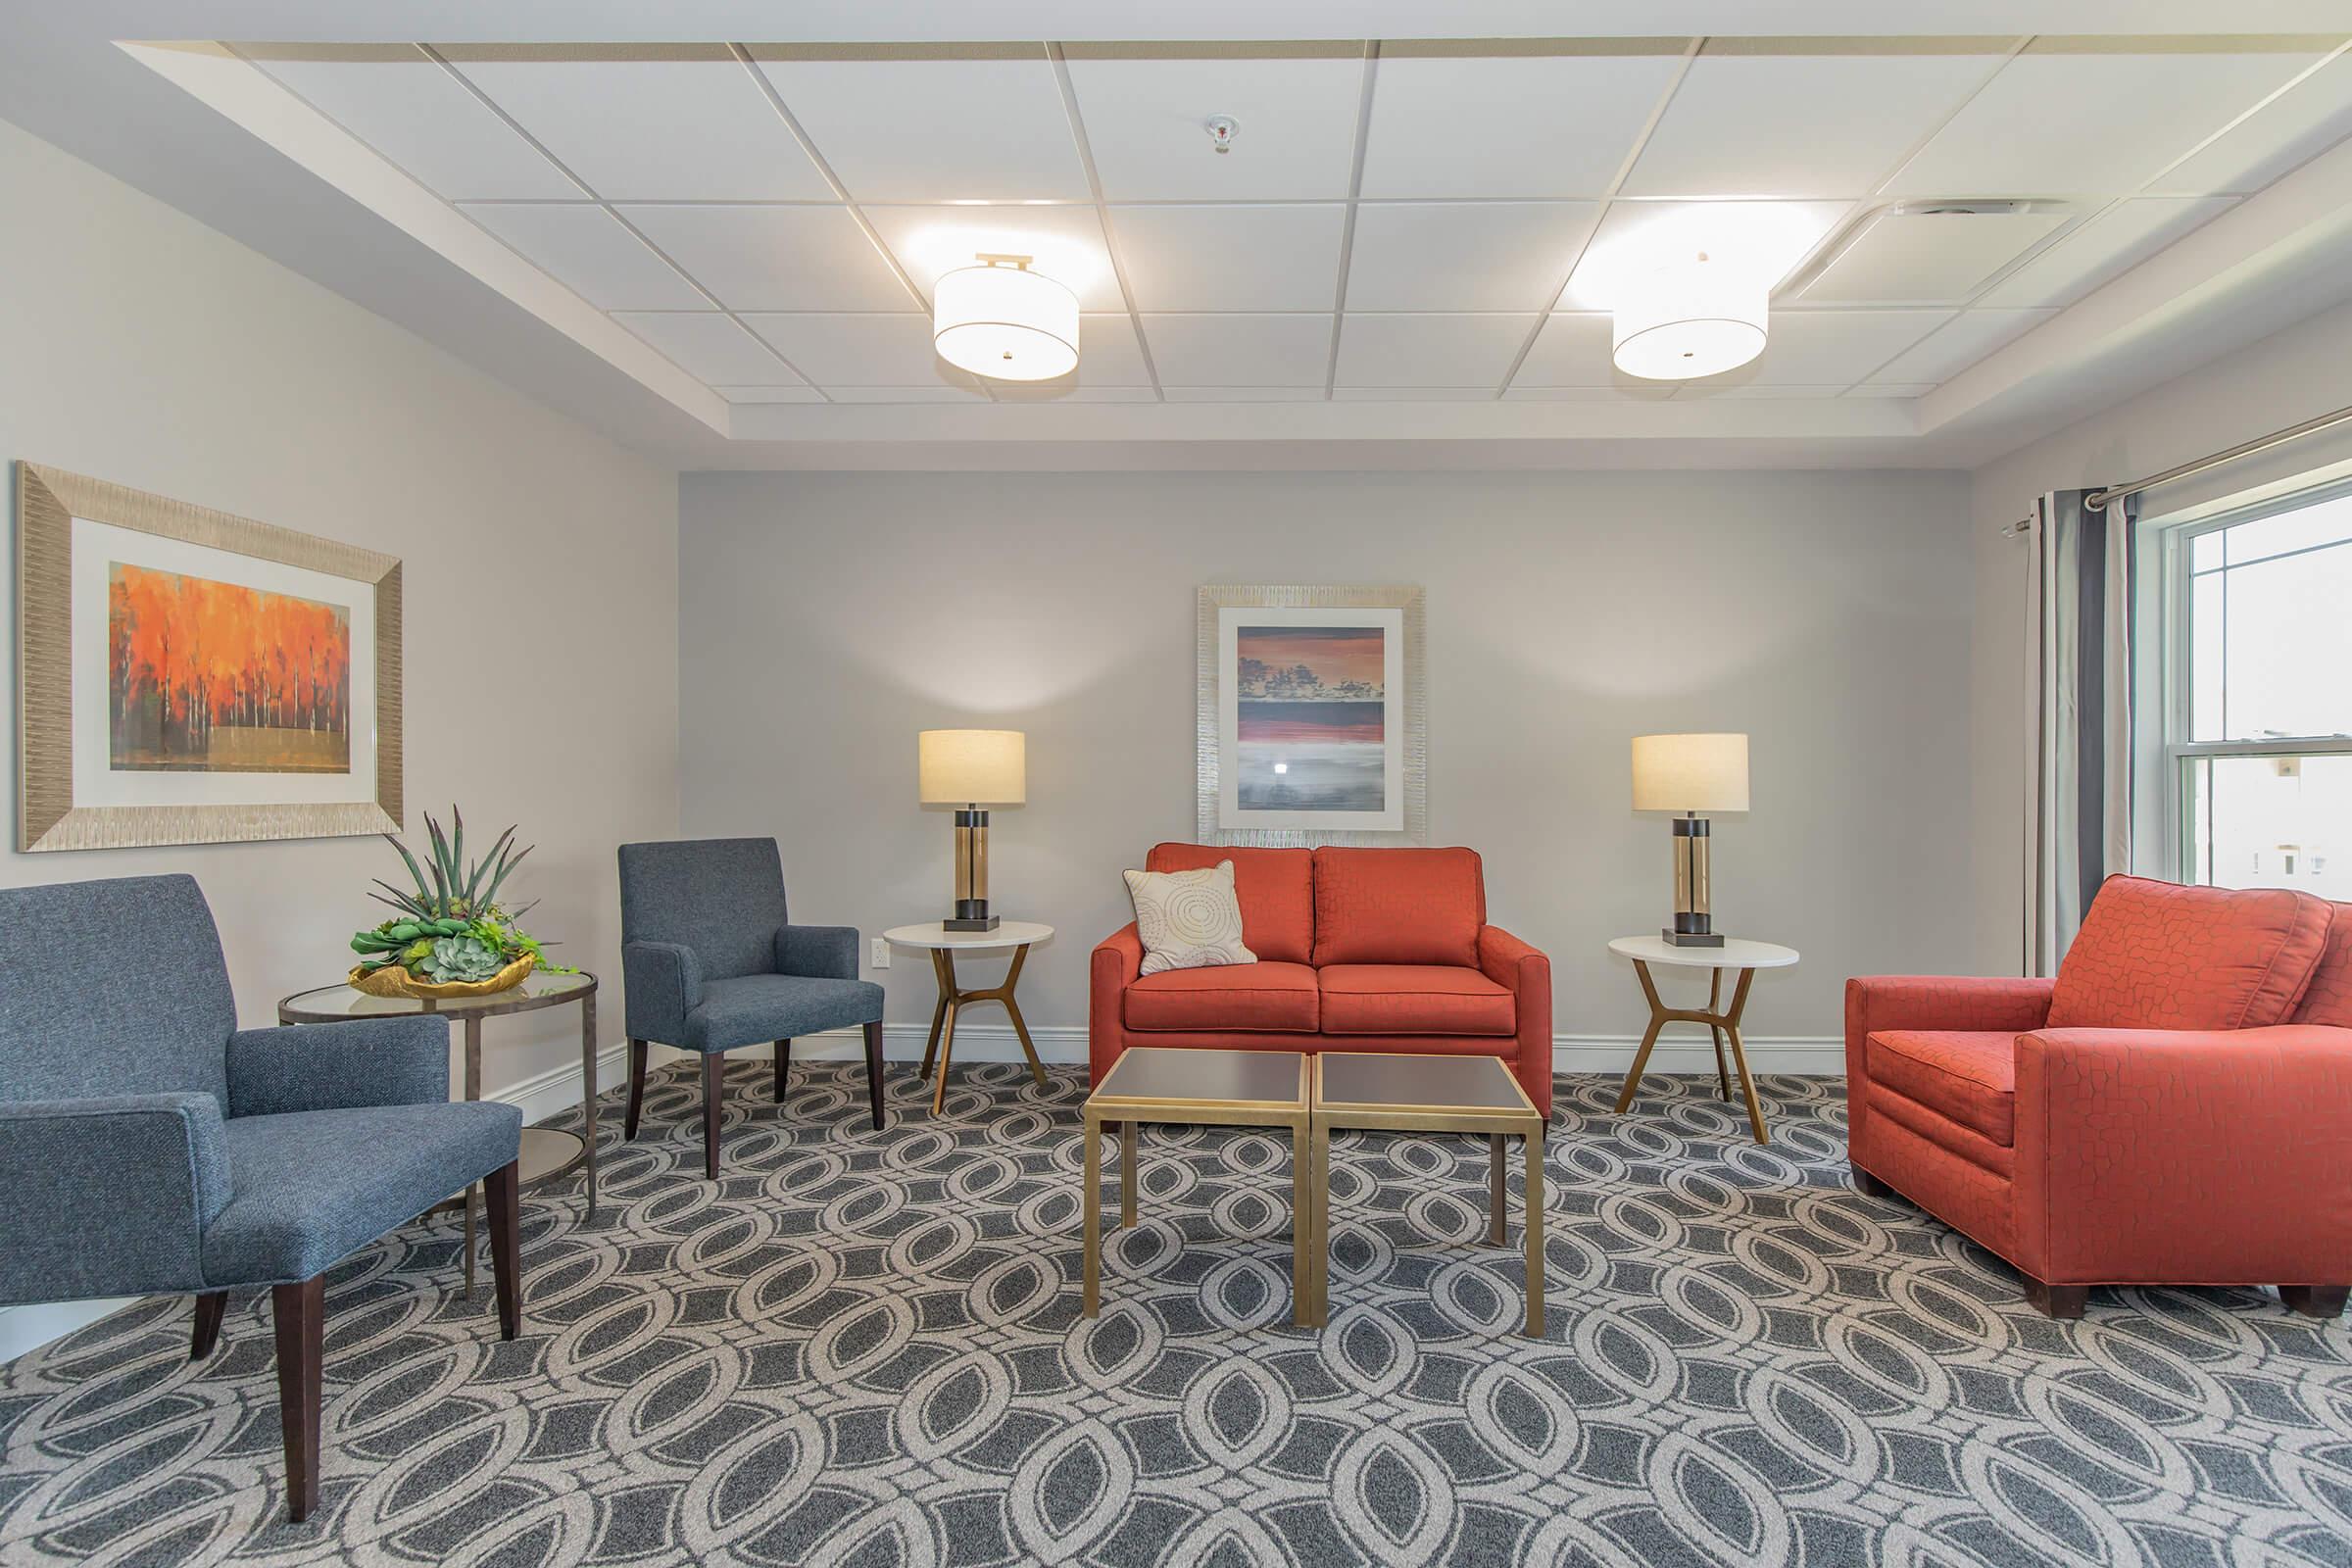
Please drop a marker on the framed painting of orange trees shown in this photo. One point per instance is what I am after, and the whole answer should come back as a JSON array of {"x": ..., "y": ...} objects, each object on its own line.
[{"x": 188, "y": 676}]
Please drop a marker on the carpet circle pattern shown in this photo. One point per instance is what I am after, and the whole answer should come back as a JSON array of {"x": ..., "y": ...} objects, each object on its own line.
[{"x": 864, "y": 1348}]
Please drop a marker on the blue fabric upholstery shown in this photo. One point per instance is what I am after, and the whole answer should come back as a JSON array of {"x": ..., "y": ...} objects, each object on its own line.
[
  {"x": 147, "y": 1144},
  {"x": 314, "y": 1186},
  {"x": 711, "y": 964},
  {"x": 752, "y": 1007}
]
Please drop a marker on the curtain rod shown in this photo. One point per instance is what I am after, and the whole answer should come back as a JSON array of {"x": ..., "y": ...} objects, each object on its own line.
[{"x": 2244, "y": 449}]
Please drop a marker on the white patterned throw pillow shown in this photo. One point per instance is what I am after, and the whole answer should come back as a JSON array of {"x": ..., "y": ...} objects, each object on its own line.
[{"x": 1188, "y": 919}]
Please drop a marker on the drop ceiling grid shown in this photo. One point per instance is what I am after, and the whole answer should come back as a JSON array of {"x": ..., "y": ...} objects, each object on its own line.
[{"x": 1999, "y": 56}]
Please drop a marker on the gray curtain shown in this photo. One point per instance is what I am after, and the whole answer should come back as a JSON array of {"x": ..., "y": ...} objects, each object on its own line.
[{"x": 2079, "y": 708}]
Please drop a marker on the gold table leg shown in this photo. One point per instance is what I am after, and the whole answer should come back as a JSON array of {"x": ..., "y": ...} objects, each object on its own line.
[
  {"x": 1534, "y": 1227},
  {"x": 1302, "y": 1225},
  {"x": 953, "y": 999},
  {"x": 1723, "y": 1026},
  {"x": 1093, "y": 1205},
  {"x": 1127, "y": 1139},
  {"x": 1320, "y": 1178},
  {"x": 1496, "y": 1189}
]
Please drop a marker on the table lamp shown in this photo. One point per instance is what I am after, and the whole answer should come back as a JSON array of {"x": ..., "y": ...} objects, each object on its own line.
[
  {"x": 971, "y": 769},
  {"x": 1690, "y": 775}
]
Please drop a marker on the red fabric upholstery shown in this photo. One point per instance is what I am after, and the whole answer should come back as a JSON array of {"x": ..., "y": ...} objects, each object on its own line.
[
  {"x": 2160, "y": 956},
  {"x": 1399, "y": 906},
  {"x": 2328, "y": 1000},
  {"x": 2205, "y": 1156},
  {"x": 1427, "y": 973},
  {"x": 1412, "y": 999},
  {"x": 1967, "y": 1075},
  {"x": 1234, "y": 996},
  {"x": 1275, "y": 888}
]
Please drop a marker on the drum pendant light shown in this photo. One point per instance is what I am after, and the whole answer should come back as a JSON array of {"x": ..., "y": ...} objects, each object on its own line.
[
  {"x": 1697, "y": 317},
  {"x": 999, "y": 319}
]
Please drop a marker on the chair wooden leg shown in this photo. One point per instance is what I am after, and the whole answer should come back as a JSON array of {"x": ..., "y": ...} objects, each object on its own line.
[
  {"x": 873, "y": 1070},
  {"x": 714, "y": 1077},
  {"x": 628, "y": 1121},
  {"x": 783, "y": 1066},
  {"x": 503, "y": 1189},
  {"x": 299, "y": 1311},
  {"x": 209, "y": 1307},
  {"x": 2315, "y": 1300},
  {"x": 2056, "y": 1301}
]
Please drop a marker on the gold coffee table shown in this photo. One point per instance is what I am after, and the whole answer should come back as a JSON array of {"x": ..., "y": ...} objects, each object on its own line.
[
  {"x": 1201, "y": 1089},
  {"x": 1425, "y": 1094}
]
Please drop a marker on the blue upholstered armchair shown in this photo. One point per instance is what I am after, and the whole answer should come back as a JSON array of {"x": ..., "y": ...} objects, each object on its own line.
[
  {"x": 150, "y": 1145},
  {"x": 711, "y": 964}
]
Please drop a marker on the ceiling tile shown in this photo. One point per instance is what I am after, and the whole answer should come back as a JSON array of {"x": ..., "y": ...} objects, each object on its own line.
[
  {"x": 1755, "y": 392},
  {"x": 1243, "y": 394},
  {"x": 1832, "y": 348},
  {"x": 1468, "y": 351},
  {"x": 839, "y": 351},
  {"x": 2076, "y": 123},
  {"x": 2107, "y": 245},
  {"x": 932, "y": 393},
  {"x": 592, "y": 253},
  {"x": 1957, "y": 345},
  {"x": 671, "y": 129},
  {"x": 1147, "y": 125},
  {"x": 1572, "y": 350},
  {"x": 2305, "y": 120},
  {"x": 770, "y": 394},
  {"x": 1464, "y": 255},
  {"x": 1795, "y": 124},
  {"x": 936, "y": 130},
  {"x": 1900, "y": 257},
  {"x": 775, "y": 258},
  {"x": 421, "y": 118},
  {"x": 1894, "y": 389},
  {"x": 1108, "y": 354},
  {"x": 710, "y": 347},
  {"x": 1629, "y": 390},
  {"x": 1204, "y": 351},
  {"x": 1279, "y": 258},
  {"x": 1487, "y": 126},
  {"x": 1635, "y": 237},
  {"x": 1064, "y": 392},
  {"x": 1066, "y": 243},
  {"x": 1413, "y": 394}
]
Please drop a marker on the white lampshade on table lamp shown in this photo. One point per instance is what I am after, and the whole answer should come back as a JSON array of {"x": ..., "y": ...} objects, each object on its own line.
[
  {"x": 972, "y": 769},
  {"x": 1690, "y": 775}
]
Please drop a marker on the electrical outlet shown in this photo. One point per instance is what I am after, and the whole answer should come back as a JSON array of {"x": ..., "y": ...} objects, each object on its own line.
[{"x": 881, "y": 955}]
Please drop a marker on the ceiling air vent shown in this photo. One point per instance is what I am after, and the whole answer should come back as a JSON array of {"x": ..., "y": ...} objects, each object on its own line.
[{"x": 1930, "y": 252}]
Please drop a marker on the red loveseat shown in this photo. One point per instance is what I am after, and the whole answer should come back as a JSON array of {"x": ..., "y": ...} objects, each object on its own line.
[
  {"x": 2174, "y": 1108},
  {"x": 1357, "y": 950}
]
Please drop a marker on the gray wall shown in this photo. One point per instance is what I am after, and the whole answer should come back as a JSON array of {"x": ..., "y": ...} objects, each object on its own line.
[
  {"x": 539, "y": 561},
  {"x": 827, "y": 618}
]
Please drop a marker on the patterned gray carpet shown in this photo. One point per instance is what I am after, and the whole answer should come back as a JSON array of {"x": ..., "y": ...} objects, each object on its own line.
[{"x": 865, "y": 1350}]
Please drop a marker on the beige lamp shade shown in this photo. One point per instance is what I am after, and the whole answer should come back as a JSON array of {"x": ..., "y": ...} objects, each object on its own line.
[
  {"x": 972, "y": 767},
  {"x": 1689, "y": 773}
]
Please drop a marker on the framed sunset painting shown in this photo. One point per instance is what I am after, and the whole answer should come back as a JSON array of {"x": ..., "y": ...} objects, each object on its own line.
[
  {"x": 1311, "y": 723},
  {"x": 188, "y": 676}
]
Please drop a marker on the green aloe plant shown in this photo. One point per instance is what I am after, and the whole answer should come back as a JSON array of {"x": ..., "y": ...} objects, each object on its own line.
[
  {"x": 455, "y": 888},
  {"x": 451, "y": 926}
]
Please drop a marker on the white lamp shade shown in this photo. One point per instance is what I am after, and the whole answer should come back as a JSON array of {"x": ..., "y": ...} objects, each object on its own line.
[
  {"x": 1689, "y": 773},
  {"x": 972, "y": 767},
  {"x": 1701, "y": 317},
  {"x": 1005, "y": 322}
]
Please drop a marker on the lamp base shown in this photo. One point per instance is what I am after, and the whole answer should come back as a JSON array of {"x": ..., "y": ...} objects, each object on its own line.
[
  {"x": 985, "y": 922},
  {"x": 1691, "y": 938}
]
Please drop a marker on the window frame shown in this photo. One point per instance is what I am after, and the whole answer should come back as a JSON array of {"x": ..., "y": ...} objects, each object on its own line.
[{"x": 2163, "y": 751}]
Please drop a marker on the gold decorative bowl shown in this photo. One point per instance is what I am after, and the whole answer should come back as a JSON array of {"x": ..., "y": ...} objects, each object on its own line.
[{"x": 391, "y": 980}]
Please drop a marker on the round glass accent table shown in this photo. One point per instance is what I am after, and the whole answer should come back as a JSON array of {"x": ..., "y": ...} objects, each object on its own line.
[{"x": 546, "y": 1151}]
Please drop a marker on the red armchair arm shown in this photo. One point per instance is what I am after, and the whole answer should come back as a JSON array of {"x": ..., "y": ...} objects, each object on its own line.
[
  {"x": 1930, "y": 1001},
  {"x": 1527, "y": 974},
  {"x": 1113, "y": 967},
  {"x": 2185, "y": 1157}
]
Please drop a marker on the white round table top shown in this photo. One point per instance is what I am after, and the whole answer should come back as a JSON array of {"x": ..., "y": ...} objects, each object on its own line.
[
  {"x": 1007, "y": 934},
  {"x": 1734, "y": 953}
]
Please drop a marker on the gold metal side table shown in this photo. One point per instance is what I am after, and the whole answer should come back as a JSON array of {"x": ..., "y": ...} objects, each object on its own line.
[
  {"x": 1722, "y": 1024},
  {"x": 1426, "y": 1094},
  {"x": 943, "y": 944},
  {"x": 1201, "y": 1089}
]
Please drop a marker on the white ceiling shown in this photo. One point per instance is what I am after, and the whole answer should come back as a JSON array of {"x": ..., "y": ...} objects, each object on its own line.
[{"x": 1394, "y": 221}]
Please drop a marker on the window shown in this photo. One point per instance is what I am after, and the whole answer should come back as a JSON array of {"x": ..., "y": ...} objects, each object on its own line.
[{"x": 2255, "y": 767}]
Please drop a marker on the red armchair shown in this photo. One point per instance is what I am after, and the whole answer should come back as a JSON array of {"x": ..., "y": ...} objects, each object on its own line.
[
  {"x": 1357, "y": 950},
  {"x": 2174, "y": 1108}
]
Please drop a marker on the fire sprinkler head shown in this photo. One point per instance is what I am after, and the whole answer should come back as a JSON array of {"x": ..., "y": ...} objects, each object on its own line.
[{"x": 1222, "y": 128}]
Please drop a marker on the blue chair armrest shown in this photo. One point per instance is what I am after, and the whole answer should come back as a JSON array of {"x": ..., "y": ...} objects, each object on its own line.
[
  {"x": 817, "y": 952},
  {"x": 662, "y": 982},
  {"x": 339, "y": 1067},
  {"x": 108, "y": 1197}
]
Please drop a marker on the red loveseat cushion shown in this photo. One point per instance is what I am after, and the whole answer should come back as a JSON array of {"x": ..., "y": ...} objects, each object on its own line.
[
  {"x": 1413, "y": 998},
  {"x": 2161, "y": 955},
  {"x": 1399, "y": 906},
  {"x": 1969, "y": 1075},
  {"x": 1262, "y": 997},
  {"x": 1275, "y": 888},
  {"x": 2329, "y": 999}
]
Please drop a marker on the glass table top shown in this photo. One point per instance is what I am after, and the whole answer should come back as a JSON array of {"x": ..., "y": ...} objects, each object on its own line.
[
  {"x": 1163, "y": 1075},
  {"x": 330, "y": 1003},
  {"x": 1412, "y": 1083}
]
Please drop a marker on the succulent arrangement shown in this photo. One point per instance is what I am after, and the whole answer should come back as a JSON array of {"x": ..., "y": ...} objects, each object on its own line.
[{"x": 450, "y": 930}]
